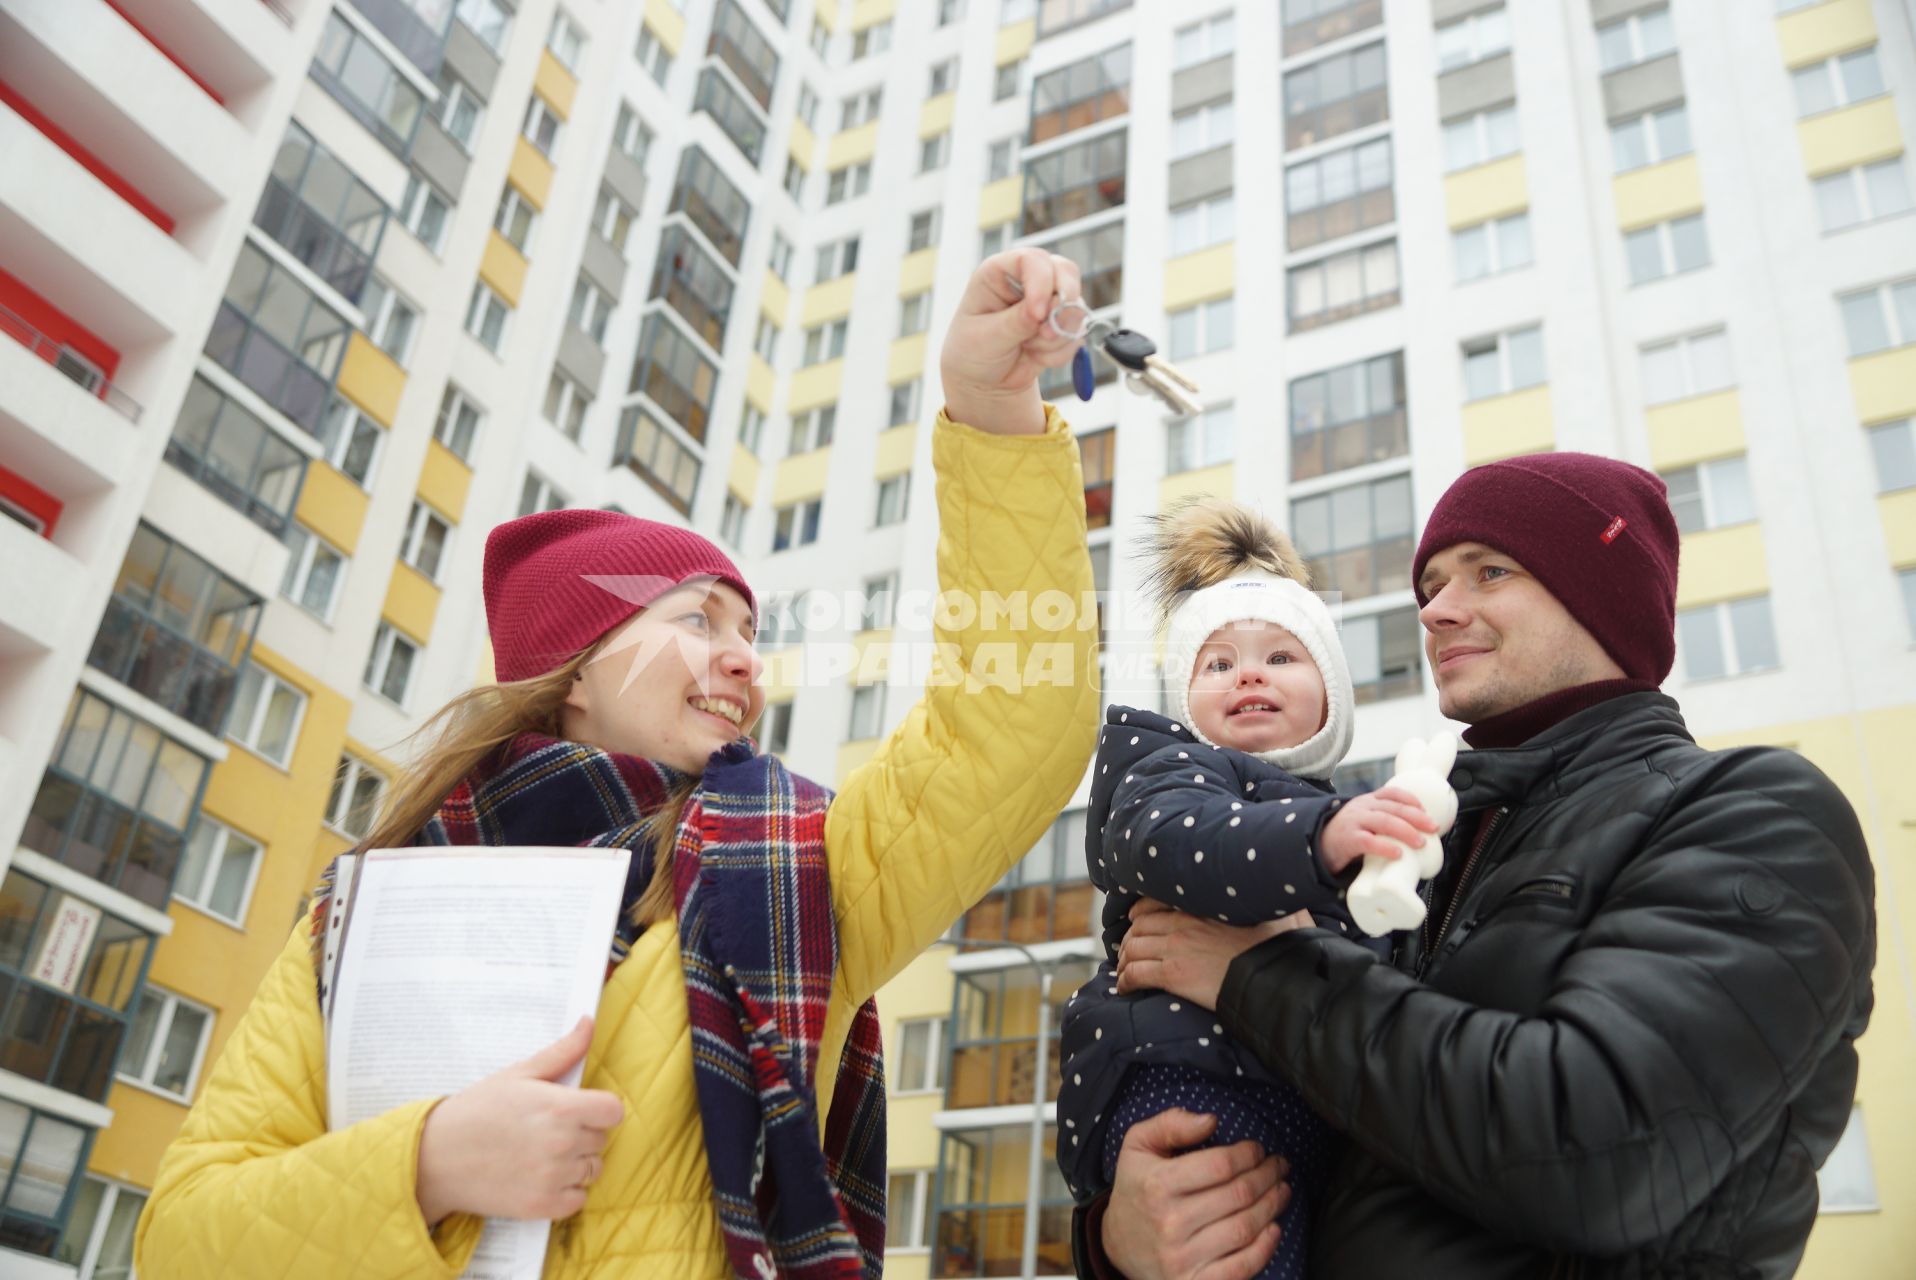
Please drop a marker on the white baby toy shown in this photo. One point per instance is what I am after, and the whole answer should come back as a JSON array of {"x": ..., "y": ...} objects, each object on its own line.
[{"x": 1384, "y": 895}]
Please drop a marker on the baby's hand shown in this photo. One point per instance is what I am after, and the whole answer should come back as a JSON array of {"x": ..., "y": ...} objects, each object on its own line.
[{"x": 1373, "y": 823}]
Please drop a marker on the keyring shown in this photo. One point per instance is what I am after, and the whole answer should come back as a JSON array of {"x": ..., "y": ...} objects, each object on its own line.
[{"x": 1058, "y": 308}]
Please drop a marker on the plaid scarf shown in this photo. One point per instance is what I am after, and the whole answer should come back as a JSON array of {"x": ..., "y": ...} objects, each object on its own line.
[{"x": 759, "y": 944}]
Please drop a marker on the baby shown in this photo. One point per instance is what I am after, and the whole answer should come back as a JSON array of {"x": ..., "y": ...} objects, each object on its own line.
[{"x": 1223, "y": 810}]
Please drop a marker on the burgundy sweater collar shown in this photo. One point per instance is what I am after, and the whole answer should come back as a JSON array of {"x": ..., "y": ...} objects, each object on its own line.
[{"x": 1520, "y": 724}]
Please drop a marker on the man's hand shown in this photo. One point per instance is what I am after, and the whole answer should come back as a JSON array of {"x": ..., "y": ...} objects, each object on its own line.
[
  {"x": 1373, "y": 823},
  {"x": 999, "y": 342},
  {"x": 1203, "y": 1215},
  {"x": 1167, "y": 950}
]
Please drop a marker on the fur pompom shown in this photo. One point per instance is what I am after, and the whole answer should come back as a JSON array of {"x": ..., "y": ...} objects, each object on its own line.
[{"x": 1204, "y": 541}]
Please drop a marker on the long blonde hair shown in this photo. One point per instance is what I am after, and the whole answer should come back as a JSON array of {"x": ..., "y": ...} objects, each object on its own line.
[{"x": 479, "y": 724}]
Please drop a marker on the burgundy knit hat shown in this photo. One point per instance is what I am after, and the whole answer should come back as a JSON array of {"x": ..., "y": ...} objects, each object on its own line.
[
  {"x": 558, "y": 580},
  {"x": 1598, "y": 533}
]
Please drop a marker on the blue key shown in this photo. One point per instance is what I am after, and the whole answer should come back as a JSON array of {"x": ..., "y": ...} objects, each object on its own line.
[{"x": 1082, "y": 377}]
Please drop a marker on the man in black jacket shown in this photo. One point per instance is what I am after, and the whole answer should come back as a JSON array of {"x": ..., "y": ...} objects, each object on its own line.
[{"x": 1623, "y": 1040}]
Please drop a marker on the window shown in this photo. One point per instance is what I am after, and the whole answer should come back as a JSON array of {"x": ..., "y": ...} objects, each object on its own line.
[
  {"x": 1696, "y": 365},
  {"x": 351, "y": 442},
  {"x": 1201, "y": 128},
  {"x": 425, "y": 212},
  {"x": 1081, "y": 94},
  {"x": 920, "y": 1056},
  {"x": 652, "y": 55},
  {"x": 1711, "y": 495},
  {"x": 732, "y": 521},
  {"x": 266, "y": 714},
  {"x": 1862, "y": 194},
  {"x": 233, "y": 454},
  {"x": 542, "y": 126},
  {"x": 486, "y": 316},
  {"x": 166, "y": 1042},
  {"x": 1202, "y": 224},
  {"x": 1481, "y": 35},
  {"x": 904, "y": 403},
  {"x": 487, "y": 19},
  {"x": 390, "y": 319},
  {"x": 873, "y": 39},
  {"x": 672, "y": 372},
  {"x": 1357, "y": 540},
  {"x": 566, "y": 403},
  {"x": 101, "y": 1229},
  {"x": 794, "y": 180},
  {"x": 590, "y": 310},
  {"x": 1340, "y": 193},
  {"x": 1894, "y": 448},
  {"x": 1878, "y": 318},
  {"x": 824, "y": 342},
  {"x": 1733, "y": 638},
  {"x": 458, "y": 109},
  {"x": 1075, "y": 181},
  {"x": 1000, "y": 159},
  {"x": 1489, "y": 248},
  {"x": 796, "y": 525},
  {"x": 868, "y": 712},
  {"x": 776, "y": 736},
  {"x": 313, "y": 572},
  {"x": 632, "y": 135},
  {"x": 1384, "y": 652},
  {"x": 1503, "y": 363},
  {"x": 538, "y": 494},
  {"x": 812, "y": 429},
  {"x": 1202, "y": 41},
  {"x": 424, "y": 544},
  {"x": 1097, "y": 450},
  {"x": 1634, "y": 39},
  {"x": 1203, "y": 441},
  {"x": 357, "y": 791},
  {"x": 894, "y": 493},
  {"x": 1343, "y": 285},
  {"x": 914, "y": 314},
  {"x": 1202, "y": 329},
  {"x": 1666, "y": 249},
  {"x": 808, "y": 106},
  {"x": 1847, "y": 1182},
  {"x": 943, "y": 77},
  {"x": 1348, "y": 416},
  {"x": 458, "y": 422},
  {"x": 922, "y": 233},
  {"x": 389, "y": 666},
  {"x": 992, "y": 239},
  {"x": 515, "y": 219},
  {"x": 612, "y": 219},
  {"x": 1335, "y": 95},
  {"x": 860, "y": 108},
  {"x": 876, "y": 601},
  {"x": 693, "y": 284},
  {"x": 751, "y": 428},
  {"x": 1004, "y": 81},
  {"x": 566, "y": 41},
  {"x": 1848, "y": 78},
  {"x": 780, "y": 258},
  {"x": 821, "y": 39},
  {"x": 1651, "y": 138},
  {"x": 277, "y": 336},
  {"x": 765, "y": 341},
  {"x": 1056, "y": 15},
  {"x": 836, "y": 259},
  {"x": 934, "y": 151},
  {"x": 1309, "y": 23},
  {"x": 217, "y": 871},
  {"x": 1480, "y": 138},
  {"x": 658, "y": 457},
  {"x": 843, "y": 184},
  {"x": 950, "y": 11},
  {"x": 354, "y": 70}
]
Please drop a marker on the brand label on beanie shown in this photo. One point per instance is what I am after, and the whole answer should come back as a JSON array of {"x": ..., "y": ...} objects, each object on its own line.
[{"x": 1616, "y": 527}]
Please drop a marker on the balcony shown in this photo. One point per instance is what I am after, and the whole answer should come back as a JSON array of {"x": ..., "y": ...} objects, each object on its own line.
[
  {"x": 237, "y": 458},
  {"x": 715, "y": 206},
  {"x": 738, "y": 44},
  {"x": 314, "y": 240},
  {"x": 693, "y": 285},
  {"x": 734, "y": 116},
  {"x": 400, "y": 23},
  {"x": 83, "y": 372}
]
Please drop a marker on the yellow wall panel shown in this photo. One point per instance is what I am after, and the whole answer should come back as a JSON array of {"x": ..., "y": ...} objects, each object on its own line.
[
  {"x": 371, "y": 379},
  {"x": 412, "y": 601},
  {"x": 1685, "y": 432},
  {"x": 849, "y": 146},
  {"x": 444, "y": 482},
  {"x": 667, "y": 23},
  {"x": 531, "y": 172},
  {"x": 826, "y": 11},
  {"x": 801, "y": 476},
  {"x": 936, "y": 115},
  {"x": 1884, "y": 384},
  {"x": 907, "y": 359},
  {"x": 784, "y": 668},
  {"x": 760, "y": 383},
  {"x": 1507, "y": 425},
  {"x": 815, "y": 385},
  {"x": 743, "y": 480},
  {"x": 869, "y": 13},
  {"x": 829, "y": 300},
  {"x": 1862, "y": 134},
  {"x": 1200, "y": 277},
  {"x": 1899, "y": 526},
  {"x": 332, "y": 506},
  {"x": 555, "y": 84},
  {"x": 143, "y": 1125},
  {"x": 1722, "y": 564},
  {"x": 503, "y": 268},
  {"x": 916, "y": 272},
  {"x": 1213, "y": 481},
  {"x": 1001, "y": 201},
  {"x": 871, "y": 656},
  {"x": 894, "y": 451},
  {"x": 774, "y": 298},
  {"x": 1813, "y": 34},
  {"x": 1658, "y": 192},
  {"x": 804, "y": 145},
  {"x": 1015, "y": 41},
  {"x": 916, "y": 1143},
  {"x": 1487, "y": 191}
]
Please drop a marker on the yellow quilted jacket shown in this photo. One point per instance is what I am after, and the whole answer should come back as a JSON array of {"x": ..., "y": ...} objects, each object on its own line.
[{"x": 256, "y": 1186}]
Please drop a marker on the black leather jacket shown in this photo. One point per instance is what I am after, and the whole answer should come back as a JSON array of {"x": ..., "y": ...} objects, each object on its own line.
[{"x": 1625, "y": 1039}]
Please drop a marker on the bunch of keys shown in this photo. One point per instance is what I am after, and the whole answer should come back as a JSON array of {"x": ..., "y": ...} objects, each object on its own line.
[{"x": 1145, "y": 372}]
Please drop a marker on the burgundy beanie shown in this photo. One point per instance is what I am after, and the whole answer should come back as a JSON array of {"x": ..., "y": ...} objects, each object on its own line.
[
  {"x": 556, "y": 581},
  {"x": 1598, "y": 533}
]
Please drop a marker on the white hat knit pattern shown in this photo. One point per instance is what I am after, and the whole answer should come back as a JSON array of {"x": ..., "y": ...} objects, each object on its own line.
[{"x": 1261, "y": 597}]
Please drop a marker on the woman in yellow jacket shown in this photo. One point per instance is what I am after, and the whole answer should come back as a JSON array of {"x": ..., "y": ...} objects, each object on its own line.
[{"x": 643, "y": 1165}]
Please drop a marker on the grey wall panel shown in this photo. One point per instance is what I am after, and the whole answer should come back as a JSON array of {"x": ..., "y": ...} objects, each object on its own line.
[
  {"x": 1203, "y": 83},
  {"x": 623, "y": 175},
  {"x": 581, "y": 358},
  {"x": 1442, "y": 11},
  {"x": 1602, "y": 11},
  {"x": 1635, "y": 90},
  {"x": 471, "y": 61},
  {"x": 443, "y": 161},
  {"x": 1468, "y": 90},
  {"x": 604, "y": 264},
  {"x": 1199, "y": 176}
]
